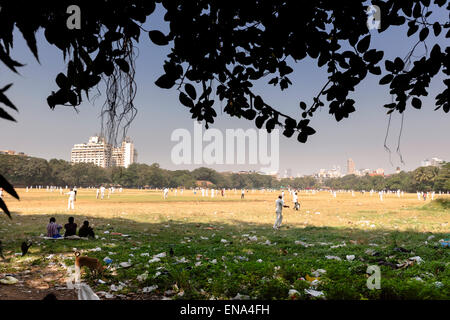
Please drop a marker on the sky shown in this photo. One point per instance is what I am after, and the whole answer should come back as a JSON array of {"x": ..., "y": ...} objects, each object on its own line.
[{"x": 48, "y": 134}]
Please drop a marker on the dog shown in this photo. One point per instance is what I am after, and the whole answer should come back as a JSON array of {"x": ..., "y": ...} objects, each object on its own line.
[{"x": 93, "y": 264}]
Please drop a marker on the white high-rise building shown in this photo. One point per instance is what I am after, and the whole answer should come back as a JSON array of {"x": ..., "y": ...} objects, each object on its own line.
[
  {"x": 96, "y": 151},
  {"x": 124, "y": 155},
  {"x": 102, "y": 154}
]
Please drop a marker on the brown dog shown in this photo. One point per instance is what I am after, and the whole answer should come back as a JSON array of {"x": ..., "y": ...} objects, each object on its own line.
[{"x": 92, "y": 263}]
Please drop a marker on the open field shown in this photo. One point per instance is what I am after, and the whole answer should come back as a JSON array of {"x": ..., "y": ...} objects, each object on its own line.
[{"x": 229, "y": 246}]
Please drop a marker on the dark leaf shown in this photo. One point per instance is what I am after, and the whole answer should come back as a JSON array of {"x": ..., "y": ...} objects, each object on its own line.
[
  {"x": 158, "y": 38},
  {"x": 8, "y": 187},
  {"x": 190, "y": 90},
  {"x": 386, "y": 79},
  {"x": 123, "y": 65},
  {"x": 165, "y": 82},
  {"x": 185, "y": 100},
  {"x": 437, "y": 28},
  {"x": 363, "y": 44},
  {"x": 416, "y": 103},
  {"x": 5, "y": 115},
  {"x": 424, "y": 34},
  {"x": 4, "y": 208}
]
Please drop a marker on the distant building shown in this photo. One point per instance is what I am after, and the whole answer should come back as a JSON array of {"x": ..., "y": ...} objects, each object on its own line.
[
  {"x": 102, "y": 154},
  {"x": 333, "y": 173},
  {"x": 378, "y": 172},
  {"x": 12, "y": 153},
  {"x": 350, "y": 166},
  {"x": 287, "y": 173},
  {"x": 435, "y": 162},
  {"x": 124, "y": 155}
]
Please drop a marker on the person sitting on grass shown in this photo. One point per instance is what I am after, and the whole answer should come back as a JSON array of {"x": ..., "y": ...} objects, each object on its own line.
[
  {"x": 71, "y": 228},
  {"x": 86, "y": 231},
  {"x": 53, "y": 229}
]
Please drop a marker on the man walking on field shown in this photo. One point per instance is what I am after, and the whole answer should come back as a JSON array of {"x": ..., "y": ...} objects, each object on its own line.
[
  {"x": 166, "y": 193},
  {"x": 279, "y": 204},
  {"x": 70, "y": 203},
  {"x": 295, "y": 200}
]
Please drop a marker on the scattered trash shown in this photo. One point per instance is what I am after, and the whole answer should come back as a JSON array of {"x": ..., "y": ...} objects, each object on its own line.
[
  {"x": 223, "y": 241},
  {"x": 9, "y": 280},
  {"x": 142, "y": 277},
  {"x": 198, "y": 263},
  {"x": 430, "y": 237},
  {"x": 214, "y": 261},
  {"x": 101, "y": 281},
  {"x": 259, "y": 260},
  {"x": 418, "y": 279},
  {"x": 85, "y": 293},
  {"x": 240, "y": 297},
  {"x": 125, "y": 264},
  {"x": 149, "y": 289},
  {"x": 106, "y": 232},
  {"x": 314, "y": 293},
  {"x": 154, "y": 260},
  {"x": 293, "y": 293},
  {"x": 318, "y": 272},
  {"x": 107, "y": 260},
  {"x": 418, "y": 259},
  {"x": 181, "y": 260},
  {"x": 438, "y": 284},
  {"x": 145, "y": 254},
  {"x": 303, "y": 243},
  {"x": 96, "y": 249},
  {"x": 350, "y": 257},
  {"x": 333, "y": 257},
  {"x": 160, "y": 255},
  {"x": 253, "y": 238},
  {"x": 311, "y": 279},
  {"x": 338, "y": 245},
  {"x": 405, "y": 264}
]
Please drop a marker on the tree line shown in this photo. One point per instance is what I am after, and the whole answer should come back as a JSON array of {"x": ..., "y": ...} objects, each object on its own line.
[{"x": 24, "y": 171}]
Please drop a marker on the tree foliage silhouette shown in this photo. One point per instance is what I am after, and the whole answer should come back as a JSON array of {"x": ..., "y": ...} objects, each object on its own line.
[{"x": 229, "y": 45}]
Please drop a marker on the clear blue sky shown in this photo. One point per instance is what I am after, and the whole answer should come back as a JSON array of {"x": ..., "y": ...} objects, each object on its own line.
[{"x": 50, "y": 134}]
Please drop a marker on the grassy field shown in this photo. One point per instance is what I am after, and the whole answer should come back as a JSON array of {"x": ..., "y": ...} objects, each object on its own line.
[{"x": 226, "y": 247}]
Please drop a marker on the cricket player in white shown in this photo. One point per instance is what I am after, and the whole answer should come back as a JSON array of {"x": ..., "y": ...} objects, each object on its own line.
[
  {"x": 279, "y": 204},
  {"x": 166, "y": 193},
  {"x": 70, "y": 203},
  {"x": 102, "y": 192},
  {"x": 295, "y": 200}
]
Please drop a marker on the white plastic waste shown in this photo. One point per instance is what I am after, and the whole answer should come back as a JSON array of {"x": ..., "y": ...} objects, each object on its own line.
[
  {"x": 85, "y": 293},
  {"x": 9, "y": 280}
]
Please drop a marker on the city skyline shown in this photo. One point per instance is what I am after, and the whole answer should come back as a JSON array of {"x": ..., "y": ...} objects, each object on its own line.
[{"x": 335, "y": 170}]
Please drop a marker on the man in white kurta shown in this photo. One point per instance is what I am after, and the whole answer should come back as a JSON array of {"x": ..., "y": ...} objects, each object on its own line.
[
  {"x": 71, "y": 201},
  {"x": 295, "y": 200},
  {"x": 279, "y": 204}
]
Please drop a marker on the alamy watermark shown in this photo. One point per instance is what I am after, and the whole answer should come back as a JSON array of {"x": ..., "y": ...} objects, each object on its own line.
[
  {"x": 374, "y": 17},
  {"x": 374, "y": 281},
  {"x": 221, "y": 149}
]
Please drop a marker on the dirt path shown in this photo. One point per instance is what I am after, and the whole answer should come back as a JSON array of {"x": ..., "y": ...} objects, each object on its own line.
[{"x": 35, "y": 284}]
